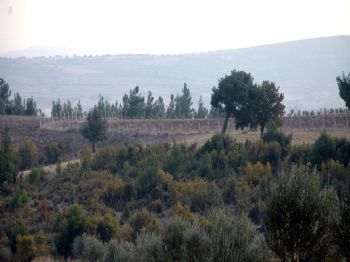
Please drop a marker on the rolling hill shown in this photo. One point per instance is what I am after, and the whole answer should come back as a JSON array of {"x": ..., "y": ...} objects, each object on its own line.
[{"x": 304, "y": 69}]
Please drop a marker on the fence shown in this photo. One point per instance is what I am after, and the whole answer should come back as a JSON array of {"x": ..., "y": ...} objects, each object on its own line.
[{"x": 324, "y": 122}]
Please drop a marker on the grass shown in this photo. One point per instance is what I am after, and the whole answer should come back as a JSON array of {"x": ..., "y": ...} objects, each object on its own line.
[{"x": 299, "y": 136}]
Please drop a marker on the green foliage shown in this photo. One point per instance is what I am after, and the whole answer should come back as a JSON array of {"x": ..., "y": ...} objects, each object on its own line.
[
  {"x": 54, "y": 152},
  {"x": 144, "y": 219},
  {"x": 19, "y": 199},
  {"x": 69, "y": 228},
  {"x": 28, "y": 154},
  {"x": 183, "y": 104},
  {"x": 323, "y": 149},
  {"x": 202, "y": 112},
  {"x": 150, "y": 247},
  {"x": 85, "y": 159},
  {"x": 25, "y": 247},
  {"x": 17, "y": 106},
  {"x": 343, "y": 229},
  {"x": 299, "y": 217},
  {"x": 19, "y": 229},
  {"x": 8, "y": 159},
  {"x": 233, "y": 238},
  {"x": 268, "y": 105},
  {"x": 95, "y": 127},
  {"x": 232, "y": 97},
  {"x": 133, "y": 104},
  {"x": 36, "y": 175},
  {"x": 89, "y": 249},
  {"x": 344, "y": 88},
  {"x": 108, "y": 228},
  {"x": 121, "y": 251}
]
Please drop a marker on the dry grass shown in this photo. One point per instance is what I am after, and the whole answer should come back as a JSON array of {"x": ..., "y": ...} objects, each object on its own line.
[{"x": 299, "y": 136}]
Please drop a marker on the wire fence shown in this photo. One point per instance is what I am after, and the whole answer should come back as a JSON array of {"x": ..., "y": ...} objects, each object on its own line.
[{"x": 114, "y": 123}]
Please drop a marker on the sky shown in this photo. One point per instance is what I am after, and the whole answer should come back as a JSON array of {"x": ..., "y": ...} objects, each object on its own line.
[{"x": 165, "y": 26}]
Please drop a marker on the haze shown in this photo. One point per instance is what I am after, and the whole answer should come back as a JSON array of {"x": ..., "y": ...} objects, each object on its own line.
[{"x": 158, "y": 26}]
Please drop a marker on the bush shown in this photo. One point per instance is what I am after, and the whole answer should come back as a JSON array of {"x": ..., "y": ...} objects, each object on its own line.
[
  {"x": 25, "y": 247},
  {"x": 144, "y": 219},
  {"x": 173, "y": 238},
  {"x": 196, "y": 244},
  {"x": 114, "y": 194},
  {"x": 89, "y": 248},
  {"x": 233, "y": 238},
  {"x": 149, "y": 247},
  {"x": 69, "y": 229},
  {"x": 198, "y": 194},
  {"x": 343, "y": 229},
  {"x": 28, "y": 154},
  {"x": 108, "y": 228},
  {"x": 324, "y": 149},
  {"x": 54, "y": 152},
  {"x": 121, "y": 251},
  {"x": 36, "y": 175},
  {"x": 19, "y": 199},
  {"x": 298, "y": 217}
]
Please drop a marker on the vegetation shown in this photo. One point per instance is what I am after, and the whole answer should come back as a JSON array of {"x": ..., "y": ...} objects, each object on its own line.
[
  {"x": 16, "y": 106},
  {"x": 94, "y": 129},
  {"x": 344, "y": 88},
  {"x": 250, "y": 104}
]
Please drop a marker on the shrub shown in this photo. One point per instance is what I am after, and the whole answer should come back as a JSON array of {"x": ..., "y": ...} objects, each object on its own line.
[
  {"x": 298, "y": 217},
  {"x": 36, "y": 175},
  {"x": 114, "y": 193},
  {"x": 198, "y": 194},
  {"x": 19, "y": 229},
  {"x": 144, "y": 219},
  {"x": 55, "y": 151},
  {"x": 343, "y": 229},
  {"x": 233, "y": 238},
  {"x": 121, "y": 251},
  {"x": 149, "y": 247},
  {"x": 156, "y": 206},
  {"x": 108, "y": 228},
  {"x": 174, "y": 238},
  {"x": 69, "y": 229},
  {"x": 19, "y": 199},
  {"x": 196, "y": 243},
  {"x": 25, "y": 247},
  {"x": 28, "y": 154},
  {"x": 323, "y": 149},
  {"x": 85, "y": 159},
  {"x": 151, "y": 179},
  {"x": 89, "y": 248}
]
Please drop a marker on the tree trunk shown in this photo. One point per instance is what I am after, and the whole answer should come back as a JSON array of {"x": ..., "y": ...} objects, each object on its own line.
[
  {"x": 93, "y": 147},
  {"x": 225, "y": 125}
]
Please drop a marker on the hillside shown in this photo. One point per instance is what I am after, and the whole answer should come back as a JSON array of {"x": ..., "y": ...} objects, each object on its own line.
[{"x": 305, "y": 70}]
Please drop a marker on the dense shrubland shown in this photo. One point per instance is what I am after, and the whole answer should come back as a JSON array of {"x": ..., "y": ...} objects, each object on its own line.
[{"x": 220, "y": 201}]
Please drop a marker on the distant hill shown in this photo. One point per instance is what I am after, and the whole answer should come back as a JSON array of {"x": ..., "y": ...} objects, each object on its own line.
[{"x": 305, "y": 70}]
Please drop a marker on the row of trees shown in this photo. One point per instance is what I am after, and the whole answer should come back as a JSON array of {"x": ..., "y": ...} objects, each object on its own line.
[
  {"x": 17, "y": 105},
  {"x": 135, "y": 105}
]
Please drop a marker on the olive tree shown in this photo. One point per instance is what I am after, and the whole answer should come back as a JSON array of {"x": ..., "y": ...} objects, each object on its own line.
[{"x": 299, "y": 216}]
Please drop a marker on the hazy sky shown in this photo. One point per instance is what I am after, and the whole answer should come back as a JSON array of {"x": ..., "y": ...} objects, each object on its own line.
[{"x": 164, "y": 26}]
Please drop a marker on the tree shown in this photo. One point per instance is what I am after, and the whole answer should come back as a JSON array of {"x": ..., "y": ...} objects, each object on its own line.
[
  {"x": 28, "y": 154},
  {"x": 269, "y": 105},
  {"x": 202, "y": 112},
  {"x": 232, "y": 96},
  {"x": 159, "y": 108},
  {"x": 299, "y": 217},
  {"x": 18, "y": 105},
  {"x": 8, "y": 159},
  {"x": 5, "y": 94},
  {"x": 56, "y": 110},
  {"x": 344, "y": 88},
  {"x": 149, "y": 109},
  {"x": 31, "y": 109},
  {"x": 170, "y": 112},
  {"x": 94, "y": 129},
  {"x": 183, "y": 104}
]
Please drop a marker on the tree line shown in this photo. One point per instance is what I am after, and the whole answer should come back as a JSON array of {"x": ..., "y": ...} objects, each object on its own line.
[
  {"x": 17, "y": 105},
  {"x": 136, "y": 106}
]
